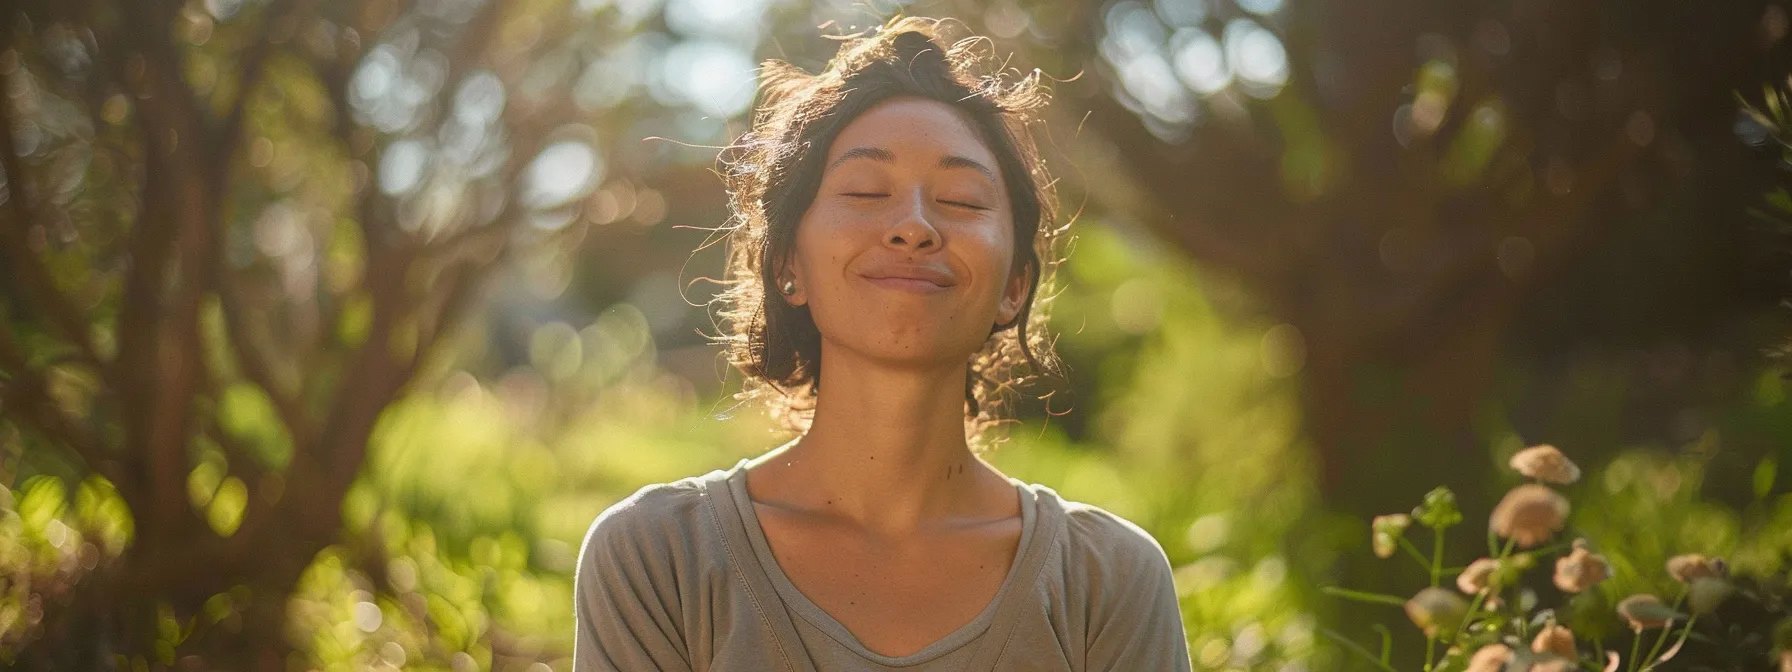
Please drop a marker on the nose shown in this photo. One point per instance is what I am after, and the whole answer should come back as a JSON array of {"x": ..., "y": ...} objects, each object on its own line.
[{"x": 912, "y": 232}]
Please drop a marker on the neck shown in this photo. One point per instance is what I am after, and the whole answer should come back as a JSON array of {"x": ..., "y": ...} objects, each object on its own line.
[{"x": 886, "y": 448}]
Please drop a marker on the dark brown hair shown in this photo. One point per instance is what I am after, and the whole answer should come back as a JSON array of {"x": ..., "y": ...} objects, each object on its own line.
[{"x": 774, "y": 171}]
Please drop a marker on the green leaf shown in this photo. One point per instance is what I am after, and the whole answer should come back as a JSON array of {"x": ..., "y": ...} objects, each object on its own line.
[{"x": 1439, "y": 510}]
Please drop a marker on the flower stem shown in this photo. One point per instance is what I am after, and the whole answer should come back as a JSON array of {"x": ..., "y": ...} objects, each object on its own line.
[
  {"x": 1552, "y": 548},
  {"x": 1684, "y": 633},
  {"x": 1356, "y": 648},
  {"x": 1635, "y": 642},
  {"x": 1437, "y": 556},
  {"x": 1665, "y": 629},
  {"x": 1474, "y": 605},
  {"x": 1362, "y": 596},
  {"x": 1437, "y": 563},
  {"x": 1414, "y": 552}
]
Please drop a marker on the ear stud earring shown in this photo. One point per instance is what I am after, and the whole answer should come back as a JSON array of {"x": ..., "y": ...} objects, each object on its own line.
[{"x": 788, "y": 288}]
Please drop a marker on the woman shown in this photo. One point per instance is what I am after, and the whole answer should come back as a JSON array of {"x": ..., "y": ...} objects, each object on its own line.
[{"x": 892, "y": 222}]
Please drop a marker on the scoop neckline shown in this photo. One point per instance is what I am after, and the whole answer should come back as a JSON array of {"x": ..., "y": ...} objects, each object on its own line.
[{"x": 796, "y": 601}]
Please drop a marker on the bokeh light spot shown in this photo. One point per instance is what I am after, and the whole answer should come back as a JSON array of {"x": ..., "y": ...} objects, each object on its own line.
[
  {"x": 402, "y": 166},
  {"x": 564, "y": 171},
  {"x": 1199, "y": 61},
  {"x": 1257, "y": 56},
  {"x": 1260, "y": 7},
  {"x": 480, "y": 99},
  {"x": 1181, "y": 13}
]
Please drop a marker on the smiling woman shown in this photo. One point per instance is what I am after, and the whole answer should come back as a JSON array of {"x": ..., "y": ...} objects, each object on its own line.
[
  {"x": 991, "y": 174},
  {"x": 893, "y": 221}
]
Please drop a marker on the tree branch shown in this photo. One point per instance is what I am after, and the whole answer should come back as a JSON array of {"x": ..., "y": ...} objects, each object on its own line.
[
  {"x": 253, "y": 364},
  {"x": 254, "y": 68},
  {"x": 179, "y": 227}
]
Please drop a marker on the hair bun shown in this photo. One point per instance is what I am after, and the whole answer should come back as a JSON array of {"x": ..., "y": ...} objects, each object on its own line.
[{"x": 912, "y": 46}]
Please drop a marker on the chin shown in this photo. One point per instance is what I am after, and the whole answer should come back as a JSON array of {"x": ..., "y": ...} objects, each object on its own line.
[
  {"x": 911, "y": 348},
  {"x": 905, "y": 335}
]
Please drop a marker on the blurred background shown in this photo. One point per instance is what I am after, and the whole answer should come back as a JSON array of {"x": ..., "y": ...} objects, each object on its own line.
[{"x": 330, "y": 325}]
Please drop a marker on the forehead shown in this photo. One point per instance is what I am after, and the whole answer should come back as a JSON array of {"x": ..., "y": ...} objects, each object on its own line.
[{"x": 913, "y": 126}]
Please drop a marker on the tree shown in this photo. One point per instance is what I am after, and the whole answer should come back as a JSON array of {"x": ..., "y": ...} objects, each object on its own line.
[
  {"x": 227, "y": 211},
  {"x": 1419, "y": 181}
]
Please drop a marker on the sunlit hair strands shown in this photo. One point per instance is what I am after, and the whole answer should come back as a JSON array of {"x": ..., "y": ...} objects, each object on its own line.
[{"x": 774, "y": 170}]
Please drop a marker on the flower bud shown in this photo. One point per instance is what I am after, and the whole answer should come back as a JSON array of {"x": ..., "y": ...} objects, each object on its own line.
[
  {"x": 1529, "y": 514},
  {"x": 1490, "y": 658},
  {"x": 1479, "y": 576},
  {"x": 1685, "y": 568},
  {"x": 1436, "y": 610},
  {"x": 1554, "y": 639},
  {"x": 1545, "y": 463},
  {"x": 1580, "y": 569},
  {"x": 1387, "y": 531}
]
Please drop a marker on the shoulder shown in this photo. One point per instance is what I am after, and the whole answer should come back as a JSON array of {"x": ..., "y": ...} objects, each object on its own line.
[
  {"x": 1091, "y": 529},
  {"x": 1119, "y": 589},
  {"x": 661, "y": 521},
  {"x": 1104, "y": 549}
]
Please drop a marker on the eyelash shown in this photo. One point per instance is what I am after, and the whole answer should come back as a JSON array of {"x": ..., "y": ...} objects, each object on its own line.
[{"x": 857, "y": 194}]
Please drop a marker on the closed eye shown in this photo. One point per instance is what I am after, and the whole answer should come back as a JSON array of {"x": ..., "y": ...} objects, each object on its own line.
[
  {"x": 863, "y": 194},
  {"x": 963, "y": 204}
]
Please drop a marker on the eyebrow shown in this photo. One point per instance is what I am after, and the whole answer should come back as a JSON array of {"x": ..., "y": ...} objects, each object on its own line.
[{"x": 882, "y": 155}]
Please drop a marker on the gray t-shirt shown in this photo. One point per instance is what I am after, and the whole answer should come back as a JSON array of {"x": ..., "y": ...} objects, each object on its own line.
[{"x": 679, "y": 577}]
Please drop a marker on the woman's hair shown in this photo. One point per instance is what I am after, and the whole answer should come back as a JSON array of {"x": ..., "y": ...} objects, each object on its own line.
[{"x": 774, "y": 170}]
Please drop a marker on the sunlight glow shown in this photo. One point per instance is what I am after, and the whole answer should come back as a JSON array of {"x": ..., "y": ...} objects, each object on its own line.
[
  {"x": 564, "y": 171},
  {"x": 715, "y": 77}
]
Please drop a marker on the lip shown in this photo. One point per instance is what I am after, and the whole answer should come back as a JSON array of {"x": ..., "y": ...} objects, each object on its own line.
[{"x": 908, "y": 278}]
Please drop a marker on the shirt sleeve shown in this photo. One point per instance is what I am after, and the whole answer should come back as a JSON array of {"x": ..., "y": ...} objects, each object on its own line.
[
  {"x": 625, "y": 597},
  {"x": 1135, "y": 621}
]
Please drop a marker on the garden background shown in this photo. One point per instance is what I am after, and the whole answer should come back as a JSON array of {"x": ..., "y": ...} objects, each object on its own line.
[{"x": 330, "y": 325}]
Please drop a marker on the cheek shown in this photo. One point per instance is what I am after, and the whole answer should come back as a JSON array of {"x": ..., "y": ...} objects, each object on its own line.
[
  {"x": 819, "y": 242},
  {"x": 993, "y": 255}
]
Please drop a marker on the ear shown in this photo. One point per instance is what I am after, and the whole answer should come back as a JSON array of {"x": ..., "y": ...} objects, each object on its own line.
[
  {"x": 1014, "y": 295},
  {"x": 787, "y": 270}
]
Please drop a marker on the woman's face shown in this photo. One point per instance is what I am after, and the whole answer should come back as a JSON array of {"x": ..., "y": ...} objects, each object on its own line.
[{"x": 906, "y": 255}]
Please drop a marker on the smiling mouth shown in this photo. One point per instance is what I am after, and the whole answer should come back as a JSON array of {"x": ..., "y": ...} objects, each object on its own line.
[{"x": 908, "y": 284}]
